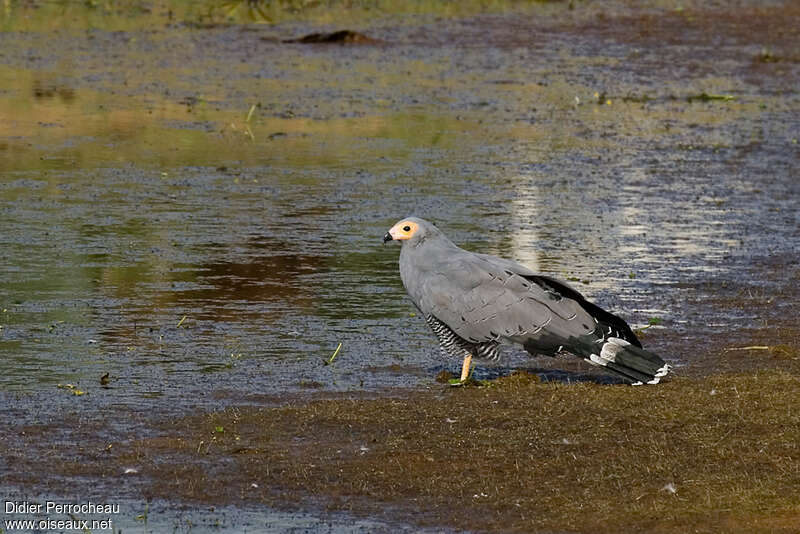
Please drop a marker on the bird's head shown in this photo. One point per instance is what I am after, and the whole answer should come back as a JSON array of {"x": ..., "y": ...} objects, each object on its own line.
[{"x": 411, "y": 229}]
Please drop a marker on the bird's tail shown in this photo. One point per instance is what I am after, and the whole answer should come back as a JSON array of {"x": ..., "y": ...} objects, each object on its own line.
[{"x": 620, "y": 357}]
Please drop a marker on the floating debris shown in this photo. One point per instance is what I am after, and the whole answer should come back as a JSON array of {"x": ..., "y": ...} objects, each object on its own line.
[
  {"x": 72, "y": 388},
  {"x": 751, "y": 347},
  {"x": 330, "y": 360},
  {"x": 706, "y": 97},
  {"x": 670, "y": 488}
]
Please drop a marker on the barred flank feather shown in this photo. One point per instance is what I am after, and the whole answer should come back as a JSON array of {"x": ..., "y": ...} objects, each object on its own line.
[{"x": 454, "y": 345}]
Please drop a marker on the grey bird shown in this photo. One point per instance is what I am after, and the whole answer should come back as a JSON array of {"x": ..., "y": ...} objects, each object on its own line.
[{"x": 476, "y": 302}]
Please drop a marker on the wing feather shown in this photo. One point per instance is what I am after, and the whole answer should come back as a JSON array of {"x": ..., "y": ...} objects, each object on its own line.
[{"x": 482, "y": 298}]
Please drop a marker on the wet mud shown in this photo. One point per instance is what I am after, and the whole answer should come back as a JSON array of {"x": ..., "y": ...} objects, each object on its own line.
[
  {"x": 193, "y": 208},
  {"x": 340, "y": 37}
]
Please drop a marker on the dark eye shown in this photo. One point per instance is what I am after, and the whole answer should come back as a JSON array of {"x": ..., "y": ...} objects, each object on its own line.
[{"x": 406, "y": 228}]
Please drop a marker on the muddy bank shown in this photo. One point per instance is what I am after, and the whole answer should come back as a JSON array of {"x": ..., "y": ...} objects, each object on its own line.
[{"x": 515, "y": 455}]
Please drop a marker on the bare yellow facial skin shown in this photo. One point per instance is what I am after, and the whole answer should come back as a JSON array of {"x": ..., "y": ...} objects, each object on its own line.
[{"x": 403, "y": 230}]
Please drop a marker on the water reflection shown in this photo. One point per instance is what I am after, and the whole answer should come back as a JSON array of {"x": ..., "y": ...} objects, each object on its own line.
[
  {"x": 603, "y": 233},
  {"x": 277, "y": 276}
]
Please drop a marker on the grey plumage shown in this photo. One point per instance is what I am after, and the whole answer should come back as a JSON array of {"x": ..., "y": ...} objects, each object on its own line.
[{"x": 475, "y": 302}]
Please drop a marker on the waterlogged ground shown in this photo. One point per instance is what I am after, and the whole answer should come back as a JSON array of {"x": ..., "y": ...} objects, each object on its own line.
[{"x": 192, "y": 215}]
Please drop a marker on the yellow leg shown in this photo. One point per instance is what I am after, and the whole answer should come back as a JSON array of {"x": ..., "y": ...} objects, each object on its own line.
[{"x": 465, "y": 367}]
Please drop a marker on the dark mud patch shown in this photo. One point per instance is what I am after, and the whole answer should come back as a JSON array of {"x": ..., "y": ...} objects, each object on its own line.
[{"x": 337, "y": 37}]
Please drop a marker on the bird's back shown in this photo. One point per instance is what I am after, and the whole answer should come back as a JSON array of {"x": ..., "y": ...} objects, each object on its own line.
[{"x": 484, "y": 298}]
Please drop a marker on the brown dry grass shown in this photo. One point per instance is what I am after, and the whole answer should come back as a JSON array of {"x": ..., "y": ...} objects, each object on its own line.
[{"x": 516, "y": 456}]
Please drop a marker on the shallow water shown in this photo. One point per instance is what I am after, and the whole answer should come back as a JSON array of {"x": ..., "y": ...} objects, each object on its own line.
[{"x": 197, "y": 211}]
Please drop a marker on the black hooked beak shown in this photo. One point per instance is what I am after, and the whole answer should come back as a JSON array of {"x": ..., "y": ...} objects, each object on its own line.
[{"x": 387, "y": 237}]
